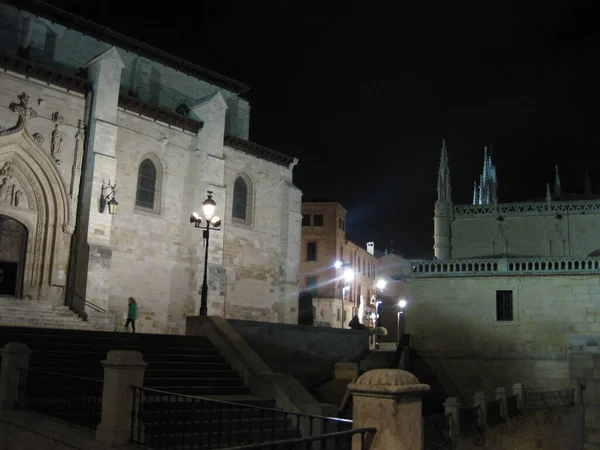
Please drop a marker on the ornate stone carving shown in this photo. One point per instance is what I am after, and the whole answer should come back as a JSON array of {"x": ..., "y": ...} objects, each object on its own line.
[
  {"x": 7, "y": 186},
  {"x": 57, "y": 136},
  {"x": 68, "y": 228},
  {"x": 23, "y": 109},
  {"x": 37, "y": 137},
  {"x": 77, "y": 160},
  {"x": 19, "y": 199}
]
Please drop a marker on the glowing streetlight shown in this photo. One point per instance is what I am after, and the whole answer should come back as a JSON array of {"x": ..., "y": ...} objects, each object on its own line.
[
  {"x": 381, "y": 284},
  {"x": 401, "y": 304},
  {"x": 212, "y": 223},
  {"x": 338, "y": 264},
  {"x": 348, "y": 275}
]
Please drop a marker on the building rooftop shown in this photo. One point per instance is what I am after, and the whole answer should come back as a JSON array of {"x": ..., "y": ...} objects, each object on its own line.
[{"x": 117, "y": 39}]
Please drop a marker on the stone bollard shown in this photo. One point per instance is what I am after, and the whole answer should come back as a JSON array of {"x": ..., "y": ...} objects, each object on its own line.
[
  {"x": 452, "y": 409},
  {"x": 390, "y": 401},
  {"x": 122, "y": 369},
  {"x": 480, "y": 400},
  {"x": 15, "y": 356},
  {"x": 519, "y": 391}
]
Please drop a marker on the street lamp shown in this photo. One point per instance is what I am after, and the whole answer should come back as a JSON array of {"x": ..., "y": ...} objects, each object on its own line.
[
  {"x": 380, "y": 285},
  {"x": 348, "y": 277},
  {"x": 401, "y": 305},
  {"x": 212, "y": 223}
]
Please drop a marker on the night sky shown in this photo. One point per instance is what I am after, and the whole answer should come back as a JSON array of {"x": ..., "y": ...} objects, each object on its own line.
[{"x": 363, "y": 94}]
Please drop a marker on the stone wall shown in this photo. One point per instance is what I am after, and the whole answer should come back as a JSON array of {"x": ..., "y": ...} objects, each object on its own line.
[
  {"x": 584, "y": 369},
  {"x": 153, "y": 254},
  {"x": 455, "y": 317},
  {"x": 574, "y": 234},
  {"x": 308, "y": 353}
]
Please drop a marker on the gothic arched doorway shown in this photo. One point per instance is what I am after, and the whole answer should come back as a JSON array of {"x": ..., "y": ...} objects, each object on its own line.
[{"x": 13, "y": 246}]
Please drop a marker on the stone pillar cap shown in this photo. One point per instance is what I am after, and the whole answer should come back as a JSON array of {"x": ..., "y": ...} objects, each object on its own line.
[
  {"x": 16, "y": 347},
  {"x": 124, "y": 358},
  {"x": 388, "y": 381}
]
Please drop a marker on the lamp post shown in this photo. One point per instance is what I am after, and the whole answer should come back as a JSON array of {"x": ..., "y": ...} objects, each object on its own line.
[
  {"x": 401, "y": 306},
  {"x": 208, "y": 209},
  {"x": 380, "y": 285},
  {"x": 348, "y": 276}
]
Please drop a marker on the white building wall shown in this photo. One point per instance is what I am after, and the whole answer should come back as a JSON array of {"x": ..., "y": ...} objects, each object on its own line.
[{"x": 455, "y": 317}]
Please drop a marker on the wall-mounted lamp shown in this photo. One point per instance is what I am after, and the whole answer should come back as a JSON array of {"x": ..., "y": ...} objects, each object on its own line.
[{"x": 108, "y": 199}]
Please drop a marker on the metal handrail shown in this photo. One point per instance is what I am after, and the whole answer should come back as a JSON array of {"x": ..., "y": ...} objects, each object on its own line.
[
  {"x": 366, "y": 434},
  {"x": 88, "y": 303},
  {"x": 224, "y": 402},
  {"x": 440, "y": 373},
  {"x": 63, "y": 375},
  {"x": 192, "y": 420}
]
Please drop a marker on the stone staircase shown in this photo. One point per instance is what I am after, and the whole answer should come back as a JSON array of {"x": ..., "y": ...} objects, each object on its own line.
[
  {"x": 188, "y": 365},
  {"x": 36, "y": 313}
]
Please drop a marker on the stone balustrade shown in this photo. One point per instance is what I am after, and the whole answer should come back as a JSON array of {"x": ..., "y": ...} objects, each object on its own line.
[
  {"x": 507, "y": 266},
  {"x": 527, "y": 209}
]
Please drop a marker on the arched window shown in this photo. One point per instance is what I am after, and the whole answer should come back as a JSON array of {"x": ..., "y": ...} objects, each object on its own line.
[
  {"x": 240, "y": 199},
  {"x": 146, "y": 186}
]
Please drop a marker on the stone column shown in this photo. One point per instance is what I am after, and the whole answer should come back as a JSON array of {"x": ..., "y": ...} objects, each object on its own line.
[
  {"x": 519, "y": 391},
  {"x": 15, "y": 356},
  {"x": 452, "y": 408},
  {"x": 95, "y": 227},
  {"x": 122, "y": 369},
  {"x": 390, "y": 401},
  {"x": 479, "y": 400},
  {"x": 501, "y": 395}
]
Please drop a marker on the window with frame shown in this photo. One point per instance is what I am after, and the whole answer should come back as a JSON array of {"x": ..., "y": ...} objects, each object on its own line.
[
  {"x": 311, "y": 284},
  {"x": 504, "y": 306},
  {"x": 338, "y": 315},
  {"x": 341, "y": 224},
  {"x": 311, "y": 251},
  {"x": 145, "y": 195},
  {"x": 240, "y": 200},
  {"x": 318, "y": 220},
  {"x": 306, "y": 220}
]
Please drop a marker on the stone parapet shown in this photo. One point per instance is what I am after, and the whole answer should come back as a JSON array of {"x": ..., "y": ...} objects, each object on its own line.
[
  {"x": 505, "y": 266},
  {"x": 527, "y": 209}
]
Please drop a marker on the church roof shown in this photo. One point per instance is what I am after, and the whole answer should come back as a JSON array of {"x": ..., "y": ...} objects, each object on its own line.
[
  {"x": 109, "y": 36},
  {"x": 258, "y": 150}
]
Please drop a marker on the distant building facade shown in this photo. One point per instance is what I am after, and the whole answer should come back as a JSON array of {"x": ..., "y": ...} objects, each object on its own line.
[
  {"x": 509, "y": 282},
  {"x": 324, "y": 242},
  {"x": 88, "y": 116}
]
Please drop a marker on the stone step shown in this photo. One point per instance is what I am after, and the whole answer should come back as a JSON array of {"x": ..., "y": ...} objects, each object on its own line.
[
  {"x": 37, "y": 323},
  {"x": 30, "y": 312}
]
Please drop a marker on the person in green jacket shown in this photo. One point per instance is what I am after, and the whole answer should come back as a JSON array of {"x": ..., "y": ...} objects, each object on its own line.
[{"x": 131, "y": 314}]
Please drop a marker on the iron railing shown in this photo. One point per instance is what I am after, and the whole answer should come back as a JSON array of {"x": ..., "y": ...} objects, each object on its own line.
[
  {"x": 512, "y": 408},
  {"x": 75, "y": 400},
  {"x": 169, "y": 421},
  {"x": 470, "y": 424},
  {"x": 338, "y": 441},
  {"x": 495, "y": 415},
  {"x": 441, "y": 375},
  {"x": 436, "y": 432},
  {"x": 549, "y": 399}
]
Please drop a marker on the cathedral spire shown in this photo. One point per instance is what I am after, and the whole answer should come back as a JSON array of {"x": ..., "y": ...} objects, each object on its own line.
[
  {"x": 557, "y": 191},
  {"x": 443, "y": 183},
  {"x": 548, "y": 198},
  {"x": 475, "y": 193},
  {"x": 587, "y": 184}
]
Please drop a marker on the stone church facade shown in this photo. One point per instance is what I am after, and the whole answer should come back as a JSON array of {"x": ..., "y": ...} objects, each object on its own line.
[
  {"x": 88, "y": 116},
  {"x": 509, "y": 283}
]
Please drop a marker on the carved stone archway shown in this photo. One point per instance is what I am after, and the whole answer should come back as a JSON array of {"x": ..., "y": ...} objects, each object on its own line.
[{"x": 32, "y": 192}]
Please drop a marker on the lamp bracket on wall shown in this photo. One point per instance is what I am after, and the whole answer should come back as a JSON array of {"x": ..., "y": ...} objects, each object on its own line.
[{"x": 107, "y": 198}]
